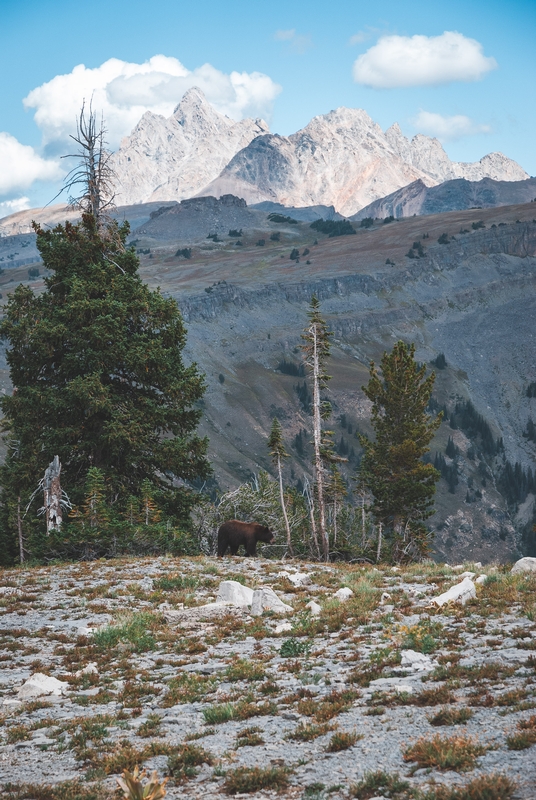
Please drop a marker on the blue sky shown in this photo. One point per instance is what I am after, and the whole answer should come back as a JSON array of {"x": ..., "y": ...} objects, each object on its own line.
[{"x": 464, "y": 71}]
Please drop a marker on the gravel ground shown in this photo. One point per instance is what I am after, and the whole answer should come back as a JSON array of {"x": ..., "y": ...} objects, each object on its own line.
[{"x": 156, "y": 679}]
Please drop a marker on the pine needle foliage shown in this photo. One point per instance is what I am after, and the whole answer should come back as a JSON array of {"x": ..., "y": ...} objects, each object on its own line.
[
  {"x": 392, "y": 469},
  {"x": 100, "y": 380}
]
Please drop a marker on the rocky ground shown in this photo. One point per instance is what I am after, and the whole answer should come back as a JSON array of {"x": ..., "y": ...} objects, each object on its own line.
[{"x": 382, "y": 694}]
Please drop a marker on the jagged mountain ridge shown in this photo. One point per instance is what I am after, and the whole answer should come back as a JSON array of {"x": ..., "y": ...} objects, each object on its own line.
[
  {"x": 455, "y": 195},
  {"x": 172, "y": 159},
  {"x": 344, "y": 159},
  {"x": 341, "y": 159}
]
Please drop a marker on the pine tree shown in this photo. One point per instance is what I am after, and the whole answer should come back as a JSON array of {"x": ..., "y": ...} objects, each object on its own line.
[
  {"x": 316, "y": 349},
  {"x": 402, "y": 485},
  {"x": 96, "y": 362},
  {"x": 277, "y": 451}
]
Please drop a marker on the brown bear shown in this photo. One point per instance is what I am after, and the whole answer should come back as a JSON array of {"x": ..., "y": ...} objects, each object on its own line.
[{"x": 235, "y": 533}]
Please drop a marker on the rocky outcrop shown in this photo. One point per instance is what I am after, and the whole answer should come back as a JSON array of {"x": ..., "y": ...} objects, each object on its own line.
[
  {"x": 453, "y": 195},
  {"x": 170, "y": 159}
]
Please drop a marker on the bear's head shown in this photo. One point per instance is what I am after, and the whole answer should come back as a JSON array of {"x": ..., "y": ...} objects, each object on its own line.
[{"x": 264, "y": 534}]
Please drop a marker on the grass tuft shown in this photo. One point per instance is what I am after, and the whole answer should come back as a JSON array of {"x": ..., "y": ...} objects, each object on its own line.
[
  {"x": 244, "y": 780},
  {"x": 342, "y": 741},
  {"x": 455, "y": 752}
]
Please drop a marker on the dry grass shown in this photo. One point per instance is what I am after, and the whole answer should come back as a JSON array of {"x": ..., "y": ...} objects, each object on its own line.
[
  {"x": 245, "y": 780},
  {"x": 445, "y": 752}
]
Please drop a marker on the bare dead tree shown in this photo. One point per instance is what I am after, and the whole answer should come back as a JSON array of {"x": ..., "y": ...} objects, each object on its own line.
[
  {"x": 52, "y": 496},
  {"x": 92, "y": 174}
]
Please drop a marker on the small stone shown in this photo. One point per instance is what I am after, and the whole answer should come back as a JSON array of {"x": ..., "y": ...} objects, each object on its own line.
[
  {"x": 460, "y": 593},
  {"x": 147, "y": 584},
  {"x": 385, "y": 596},
  {"x": 314, "y": 608},
  {"x": 39, "y": 684},
  {"x": 91, "y": 669},
  {"x": 235, "y": 593},
  {"x": 343, "y": 594},
  {"x": 419, "y": 662},
  {"x": 481, "y": 579},
  {"x": 265, "y": 599}
]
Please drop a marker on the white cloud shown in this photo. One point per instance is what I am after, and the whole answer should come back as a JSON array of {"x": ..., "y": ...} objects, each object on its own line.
[
  {"x": 298, "y": 42},
  {"x": 396, "y": 61},
  {"x": 20, "y": 166},
  {"x": 12, "y": 206},
  {"x": 122, "y": 92},
  {"x": 448, "y": 128}
]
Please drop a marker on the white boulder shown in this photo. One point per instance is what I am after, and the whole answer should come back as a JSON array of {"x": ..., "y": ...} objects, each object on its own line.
[
  {"x": 418, "y": 662},
  {"x": 460, "y": 593},
  {"x": 314, "y": 608},
  {"x": 265, "y": 599},
  {"x": 526, "y": 564},
  {"x": 384, "y": 598},
  {"x": 91, "y": 669},
  {"x": 343, "y": 594},
  {"x": 39, "y": 684},
  {"x": 234, "y": 593},
  {"x": 481, "y": 579}
]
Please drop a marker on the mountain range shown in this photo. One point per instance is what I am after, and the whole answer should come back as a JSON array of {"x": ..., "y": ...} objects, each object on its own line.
[{"x": 341, "y": 159}]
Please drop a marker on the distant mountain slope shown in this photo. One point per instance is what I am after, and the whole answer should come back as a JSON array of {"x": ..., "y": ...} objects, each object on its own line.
[
  {"x": 170, "y": 159},
  {"x": 455, "y": 195},
  {"x": 344, "y": 159}
]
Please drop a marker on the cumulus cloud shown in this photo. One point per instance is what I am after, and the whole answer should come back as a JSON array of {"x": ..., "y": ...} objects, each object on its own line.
[
  {"x": 448, "y": 128},
  {"x": 20, "y": 166},
  {"x": 8, "y": 207},
  {"x": 122, "y": 92},
  {"x": 398, "y": 61}
]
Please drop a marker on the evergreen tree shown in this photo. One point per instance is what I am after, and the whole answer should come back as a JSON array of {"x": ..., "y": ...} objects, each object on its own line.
[
  {"x": 316, "y": 349},
  {"x": 96, "y": 362},
  {"x": 277, "y": 451},
  {"x": 392, "y": 468}
]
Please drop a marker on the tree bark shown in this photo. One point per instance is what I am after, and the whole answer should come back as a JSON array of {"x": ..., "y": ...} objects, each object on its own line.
[
  {"x": 317, "y": 433},
  {"x": 19, "y": 528},
  {"x": 52, "y": 495},
  {"x": 283, "y": 506}
]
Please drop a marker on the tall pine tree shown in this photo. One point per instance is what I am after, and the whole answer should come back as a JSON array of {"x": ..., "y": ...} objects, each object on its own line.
[
  {"x": 392, "y": 469},
  {"x": 99, "y": 378}
]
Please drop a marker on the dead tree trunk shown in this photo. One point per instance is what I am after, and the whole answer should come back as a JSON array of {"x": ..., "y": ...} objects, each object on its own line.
[
  {"x": 19, "y": 528},
  {"x": 52, "y": 495}
]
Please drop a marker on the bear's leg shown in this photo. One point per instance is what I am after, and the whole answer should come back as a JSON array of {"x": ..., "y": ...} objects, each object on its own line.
[
  {"x": 251, "y": 548},
  {"x": 234, "y": 549}
]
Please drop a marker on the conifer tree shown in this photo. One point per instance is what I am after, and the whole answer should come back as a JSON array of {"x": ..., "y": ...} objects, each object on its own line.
[
  {"x": 392, "y": 469},
  {"x": 96, "y": 362},
  {"x": 277, "y": 450},
  {"x": 316, "y": 349}
]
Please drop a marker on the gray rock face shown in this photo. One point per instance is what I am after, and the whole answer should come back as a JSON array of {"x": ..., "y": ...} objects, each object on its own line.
[{"x": 169, "y": 159}]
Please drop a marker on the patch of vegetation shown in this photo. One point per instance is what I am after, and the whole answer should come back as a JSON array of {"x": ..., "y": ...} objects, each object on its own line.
[
  {"x": 182, "y": 763},
  {"x": 444, "y": 238},
  {"x": 342, "y": 741},
  {"x": 217, "y": 714},
  {"x": 68, "y": 790},
  {"x": 292, "y": 648},
  {"x": 366, "y": 222},
  {"x": 249, "y": 737},
  {"x": 188, "y": 687},
  {"x": 526, "y": 735},
  {"x": 477, "y": 225},
  {"x": 339, "y": 227},
  {"x": 455, "y": 752},
  {"x": 275, "y": 237},
  {"x": 245, "y": 780},
  {"x": 416, "y": 250},
  {"x": 135, "y": 630},
  {"x": 235, "y": 234},
  {"x": 243, "y": 669},
  {"x": 439, "y": 362},
  {"x": 378, "y": 783},
  {"x": 281, "y": 219},
  {"x": 451, "y": 716},
  {"x": 485, "y": 787},
  {"x": 291, "y": 368},
  {"x": 388, "y": 219},
  {"x": 307, "y": 731},
  {"x": 184, "y": 252}
]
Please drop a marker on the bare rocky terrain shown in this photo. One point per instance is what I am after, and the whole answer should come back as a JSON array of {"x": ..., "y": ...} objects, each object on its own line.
[{"x": 153, "y": 672}]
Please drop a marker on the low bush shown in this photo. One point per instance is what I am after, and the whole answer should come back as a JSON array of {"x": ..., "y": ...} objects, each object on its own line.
[{"x": 245, "y": 780}]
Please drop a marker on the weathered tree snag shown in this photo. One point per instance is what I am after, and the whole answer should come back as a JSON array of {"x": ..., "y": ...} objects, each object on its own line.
[
  {"x": 19, "y": 528},
  {"x": 52, "y": 495}
]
